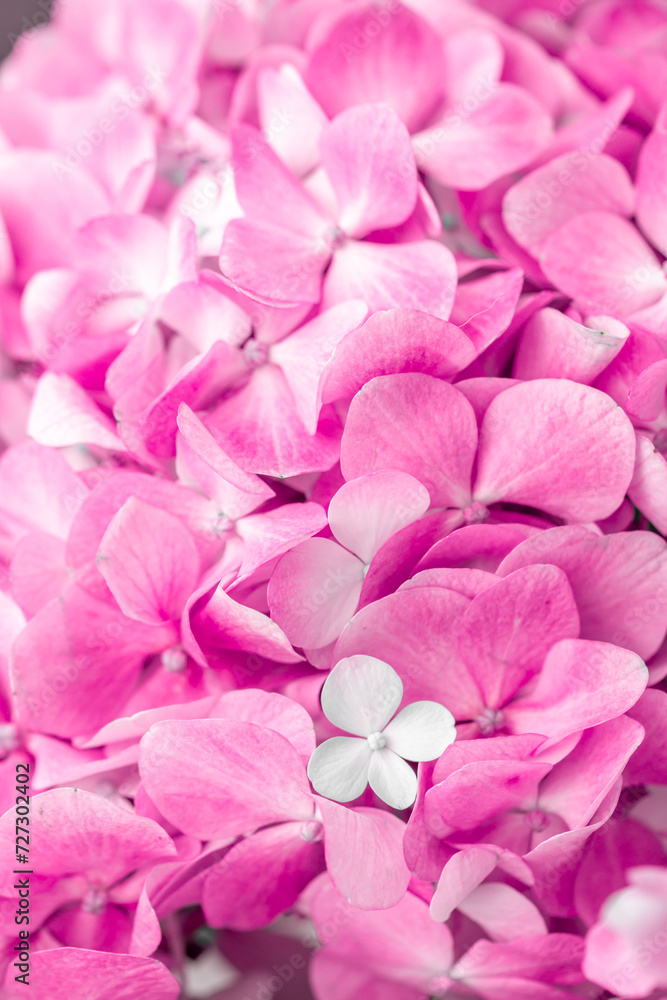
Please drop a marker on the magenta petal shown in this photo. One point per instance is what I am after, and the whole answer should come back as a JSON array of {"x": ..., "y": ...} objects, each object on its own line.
[
  {"x": 648, "y": 489},
  {"x": 360, "y": 150},
  {"x": 314, "y": 591},
  {"x": 565, "y": 448},
  {"x": 364, "y": 854},
  {"x": 274, "y": 711},
  {"x": 484, "y": 308},
  {"x": 509, "y": 628},
  {"x": 418, "y": 275},
  {"x": 391, "y": 342},
  {"x": 414, "y": 631},
  {"x": 400, "y": 63},
  {"x": 616, "y": 273},
  {"x": 223, "y": 623},
  {"x": 582, "y": 684},
  {"x": 646, "y": 398},
  {"x": 269, "y": 535},
  {"x": 416, "y": 424},
  {"x": 151, "y": 583},
  {"x": 238, "y": 777},
  {"x": 552, "y": 345},
  {"x": 96, "y": 838},
  {"x": 73, "y": 973},
  {"x": 260, "y": 877}
]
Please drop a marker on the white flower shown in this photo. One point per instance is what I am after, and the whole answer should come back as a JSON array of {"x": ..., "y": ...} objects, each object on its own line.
[{"x": 360, "y": 696}]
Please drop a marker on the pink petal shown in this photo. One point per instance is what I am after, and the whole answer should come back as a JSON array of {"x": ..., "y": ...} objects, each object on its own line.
[
  {"x": 393, "y": 341},
  {"x": 62, "y": 414},
  {"x": 646, "y": 398},
  {"x": 37, "y": 572},
  {"x": 469, "y": 150},
  {"x": 222, "y": 623},
  {"x": 314, "y": 591},
  {"x": 291, "y": 117},
  {"x": 364, "y": 854},
  {"x": 553, "y": 346},
  {"x": 509, "y": 628},
  {"x": 614, "y": 580},
  {"x": 38, "y": 489},
  {"x": 558, "y": 446},
  {"x": 649, "y": 763},
  {"x": 151, "y": 583},
  {"x": 465, "y": 871},
  {"x": 484, "y": 308},
  {"x": 366, "y": 512},
  {"x": 414, "y": 631},
  {"x": 239, "y": 777},
  {"x": 269, "y": 535},
  {"x": 416, "y": 424},
  {"x": 260, "y": 429},
  {"x": 304, "y": 355},
  {"x": 473, "y": 61},
  {"x": 419, "y": 275},
  {"x": 273, "y": 264},
  {"x": 260, "y": 877},
  {"x": 236, "y": 491},
  {"x": 651, "y": 201},
  {"x": 502, "y": 912},
  {"x": 582, "y": 684},
  {"x": 361, "y": 149},
  {"x": 398, "y": 61},
  {"x": 202, "y": 313},
  {"x": 617, "y": 272},
  {"x": 567, "y": 186},
  {"x": 71, "y": 974}
]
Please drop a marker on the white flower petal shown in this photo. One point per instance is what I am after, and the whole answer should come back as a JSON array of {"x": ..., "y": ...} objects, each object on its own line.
[
  {"x": 361, "y": 694},
  {"x": 392, "y": 779},
  {"x": 338, "y": 768},
  {"x": 421, "y": 731}
]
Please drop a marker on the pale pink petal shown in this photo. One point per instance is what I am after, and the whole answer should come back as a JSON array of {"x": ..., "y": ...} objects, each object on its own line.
[
  {"x": 553, "y": 346},
  {"x": 37, "y": 572},
  {"x": 150, "y": 582},
  {"x": 392, "y": 779},
  {"x": 502, "y": 912},
  {"x": 506, "y": 130},
  {"x": 222, "y": 623},
  {"x": 291, "y": 117},
  {"x": 565, "y": 448},
  {"x": 314, "y": 591},
  {"x": 466, "y": 870},
  {"x": 62, "y": 413},
  {"x": 398, "y": 62},
  {"x": 420, "y": 731},
  {"x": 304, "y": 355},
  {"x": 473, "y": 61},
  {"x": 571, "y": 184},
  {"x": 367, "y": 155},
  {"x": 582, "y": 684},
  {"x": 419, "y": 275},
  {"x": 617, "y": 273},
  {"x": 38, "y": 490},
  {"x": 416, "y": 424},
  {"x": 646, "y": 398},
  {"x": 651, "y": 200},
  {"x": 238, "y": 777},
  {"x": 275, "y": 711},
  {"x": 366, "y": 512},
  {"x": 269, "y": 535},
  {"x": 338, "y": 768},
  {"x": 202, "y": 313},
  {"x": 394, "y": 341},
  {"x": 485, "y": 307},
  {"x": 361, "y": 694}
]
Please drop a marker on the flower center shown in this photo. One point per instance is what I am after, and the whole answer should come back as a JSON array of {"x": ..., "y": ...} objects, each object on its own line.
[
  {"x": 95, "y": 900},
  {"x": 174, "y": 660},
  {"x": 476, "y": 513},
  {"x": 490, "y": 720},
  {"x": 334, "y": 238},
  {"x": 255, "y": 352},
  {"x": 9, "y": 739},
  {"x": 536, "y": 820},
  {"x": 311, "y": 831},
  {"x": 376, "y": 741}
]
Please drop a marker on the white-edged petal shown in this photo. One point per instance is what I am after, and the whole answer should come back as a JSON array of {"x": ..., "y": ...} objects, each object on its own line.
[
  {"x": 338, "y": 768},
  {"x": 361, "y": 694},
  {"x": 392, "y": 779},
  {"x": 421, "y": 731}
]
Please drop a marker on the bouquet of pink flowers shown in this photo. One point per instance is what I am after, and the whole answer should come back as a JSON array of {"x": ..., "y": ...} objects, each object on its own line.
[{"x": 333, "y": 487}]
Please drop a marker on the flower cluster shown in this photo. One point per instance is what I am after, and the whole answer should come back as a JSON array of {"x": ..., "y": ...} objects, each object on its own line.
[{"x": 333, "y": 495}]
